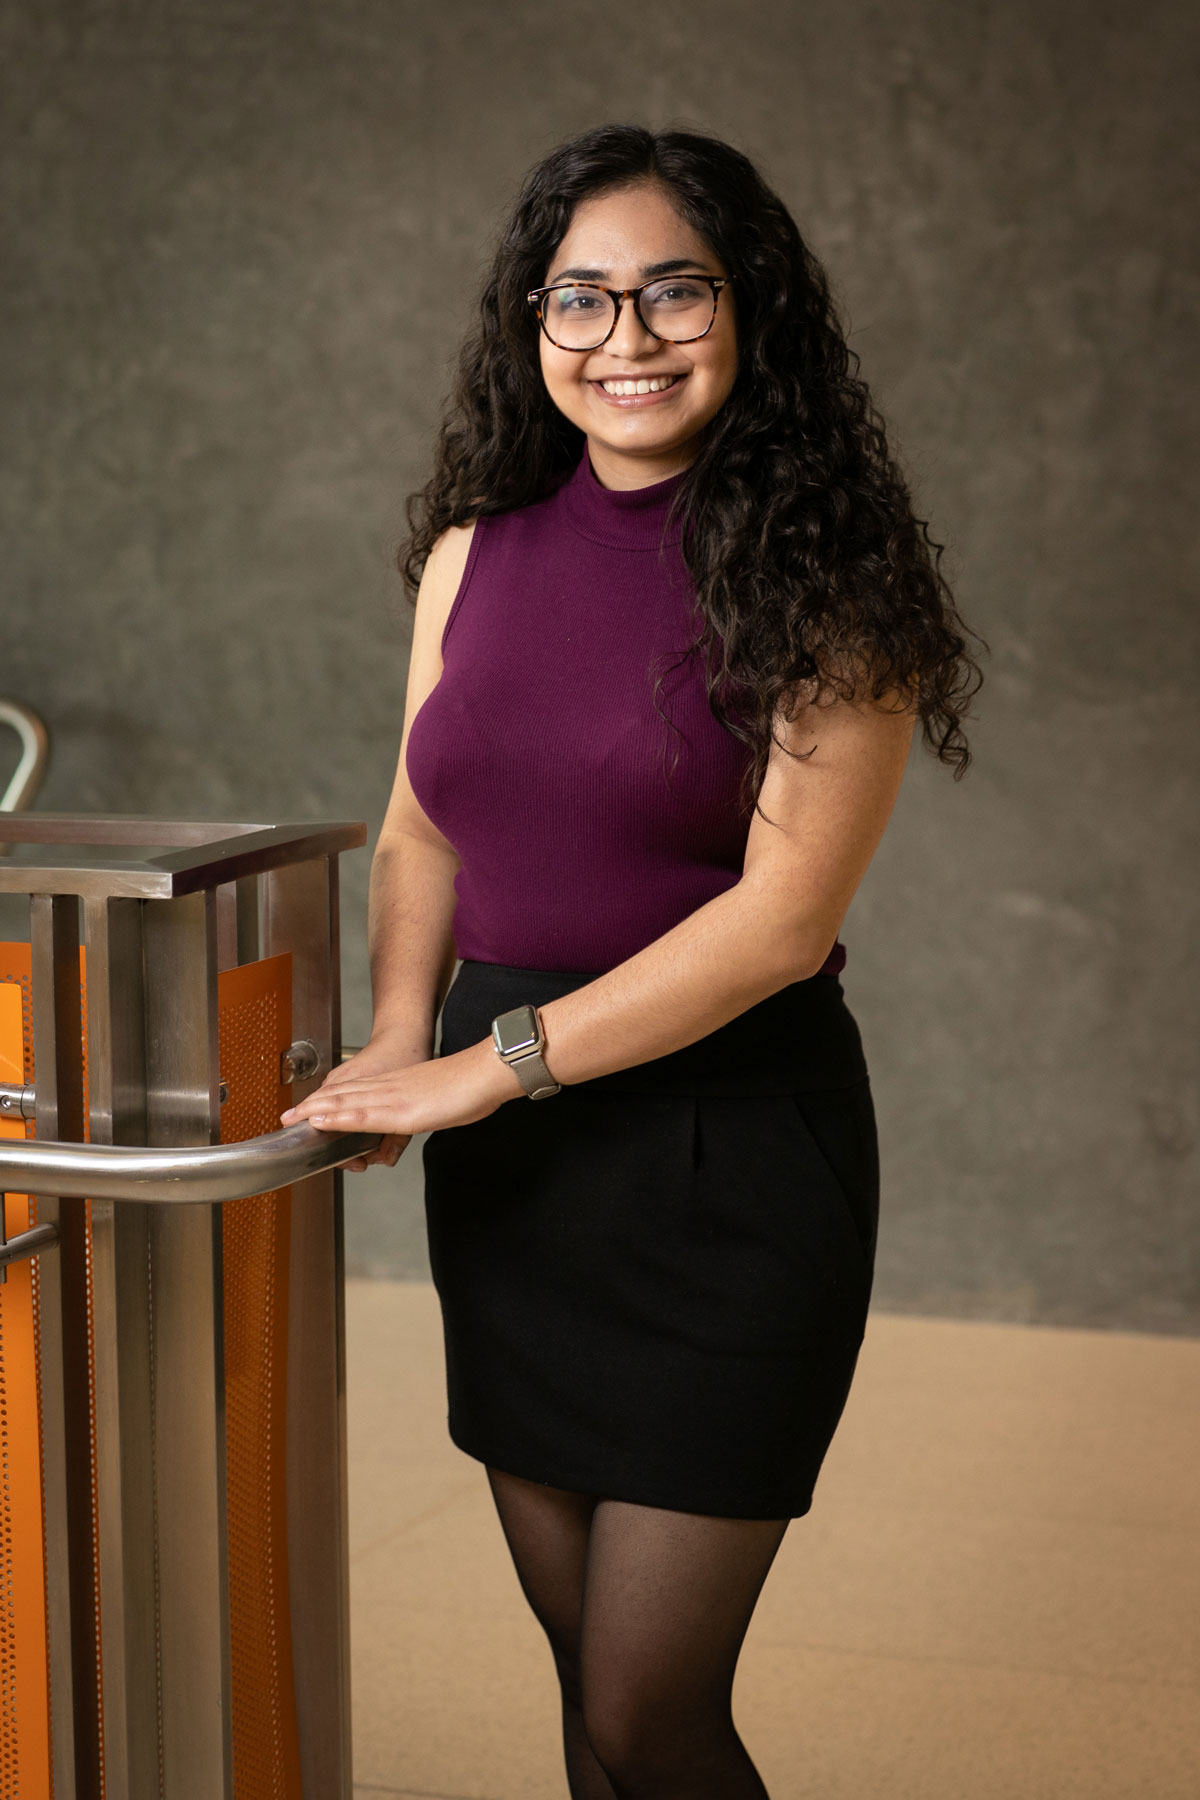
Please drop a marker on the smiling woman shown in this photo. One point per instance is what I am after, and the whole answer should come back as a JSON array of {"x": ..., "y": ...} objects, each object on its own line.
[
  {"x": 641, "y": 397},
  {"x": 676, "y": 623}
]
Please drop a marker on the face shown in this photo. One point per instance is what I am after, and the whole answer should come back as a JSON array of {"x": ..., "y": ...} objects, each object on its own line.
[{"x": 620, "y": 240}]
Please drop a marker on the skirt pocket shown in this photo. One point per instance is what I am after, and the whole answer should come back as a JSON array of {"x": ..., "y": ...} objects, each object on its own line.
[{"x": 839, "y": 1128}]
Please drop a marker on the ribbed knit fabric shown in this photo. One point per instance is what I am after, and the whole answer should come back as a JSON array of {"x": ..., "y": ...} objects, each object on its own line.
[{"x": 541, "y": 756}]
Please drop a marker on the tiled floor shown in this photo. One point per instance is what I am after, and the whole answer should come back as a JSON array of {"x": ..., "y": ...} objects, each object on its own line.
[{"x": 996, "y": 1595}]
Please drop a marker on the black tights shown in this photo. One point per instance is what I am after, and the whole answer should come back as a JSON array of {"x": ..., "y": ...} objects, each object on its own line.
[{"x": 645, "y": 1611}]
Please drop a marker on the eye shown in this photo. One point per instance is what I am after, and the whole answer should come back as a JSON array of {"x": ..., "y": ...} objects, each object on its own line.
[
  {"x": 679, "y": 292},
  {"x": 576, "y": 300}
]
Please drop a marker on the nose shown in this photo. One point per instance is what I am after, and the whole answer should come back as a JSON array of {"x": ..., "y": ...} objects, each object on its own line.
[{"x": 630, "y": 337}]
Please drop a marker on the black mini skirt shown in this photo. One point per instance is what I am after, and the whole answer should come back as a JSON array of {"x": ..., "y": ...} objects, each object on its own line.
[{"x": 654, "y": 1284}]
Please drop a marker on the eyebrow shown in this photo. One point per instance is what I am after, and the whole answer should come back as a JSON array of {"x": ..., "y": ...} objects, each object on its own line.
[{"x": 649, "y": 270}]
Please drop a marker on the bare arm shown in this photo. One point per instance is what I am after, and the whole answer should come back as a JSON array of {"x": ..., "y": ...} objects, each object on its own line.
[
  {"x": 411, "y": 898},
  {"x": 775, "y": 926}
]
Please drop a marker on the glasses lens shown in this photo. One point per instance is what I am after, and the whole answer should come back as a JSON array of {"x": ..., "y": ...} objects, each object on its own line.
[
  {"x": 678, "y": 308},
  {"x": 577, "y": 318}
]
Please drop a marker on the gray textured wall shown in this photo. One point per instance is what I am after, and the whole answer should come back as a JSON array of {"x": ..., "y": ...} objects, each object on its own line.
[{"x": 241, "y": 240}]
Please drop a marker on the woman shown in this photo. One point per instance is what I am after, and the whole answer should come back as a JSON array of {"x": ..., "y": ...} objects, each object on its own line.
[{"x": 674, "y": 627}]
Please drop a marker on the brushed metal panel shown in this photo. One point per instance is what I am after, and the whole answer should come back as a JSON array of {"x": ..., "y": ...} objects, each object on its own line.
[
  {"x": 300, "y": 914},
  {"x": 182, "y": 1108},
  {"x": 72, "y": 1622},
  {"x": 122, "y": 1337}
]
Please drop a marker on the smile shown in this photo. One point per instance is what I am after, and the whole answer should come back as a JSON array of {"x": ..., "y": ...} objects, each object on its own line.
[
  {"x": 652, "y": 384},
  {"x": 645, "y": 387}
]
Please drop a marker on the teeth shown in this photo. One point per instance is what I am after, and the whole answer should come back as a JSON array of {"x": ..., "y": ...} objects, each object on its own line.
[{"x": 644, "y": 386}]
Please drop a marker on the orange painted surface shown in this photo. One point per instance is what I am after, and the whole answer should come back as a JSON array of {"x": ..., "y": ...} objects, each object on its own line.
[
  {"x": 24, "y": 1675},
  {"x": 255, "y": 1028}
]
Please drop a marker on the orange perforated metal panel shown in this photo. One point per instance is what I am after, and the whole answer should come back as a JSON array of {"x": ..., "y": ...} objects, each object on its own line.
[
  {"x": 24, "y": 1675},
  {"x": 255, "y": 1030}
]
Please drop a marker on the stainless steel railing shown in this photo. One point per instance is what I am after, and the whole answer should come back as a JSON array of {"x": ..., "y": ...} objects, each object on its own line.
[
  {"x": 31, "y": 764},
  {"x": 26, "y": 1243},
  {"x": 216, "y": 1172},
  {"x": 134, "y": 1390}
]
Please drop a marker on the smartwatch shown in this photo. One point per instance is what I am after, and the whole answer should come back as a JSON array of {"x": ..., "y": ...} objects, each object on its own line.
[{"x": 518, "y": 1038}]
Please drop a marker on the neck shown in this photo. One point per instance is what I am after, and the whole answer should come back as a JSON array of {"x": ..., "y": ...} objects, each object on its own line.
[{"x": 622, "y": 472}]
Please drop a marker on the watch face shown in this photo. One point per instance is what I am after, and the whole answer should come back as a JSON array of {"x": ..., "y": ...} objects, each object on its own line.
[{"x": 516, "y": 1030}]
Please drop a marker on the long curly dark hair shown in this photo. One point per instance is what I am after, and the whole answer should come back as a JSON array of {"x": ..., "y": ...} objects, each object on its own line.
[{"x": 814, "y": 579}]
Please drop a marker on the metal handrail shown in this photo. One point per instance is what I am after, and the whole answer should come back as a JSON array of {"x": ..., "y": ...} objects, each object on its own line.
[
  {"x": 26, "y": 1243},
  {"x": 35, "y": 748},
  {"x": 216, "y": 1172}
]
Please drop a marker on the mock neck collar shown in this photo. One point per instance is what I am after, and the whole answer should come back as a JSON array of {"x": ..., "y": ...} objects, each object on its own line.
[{"x": 625, "y": 518}]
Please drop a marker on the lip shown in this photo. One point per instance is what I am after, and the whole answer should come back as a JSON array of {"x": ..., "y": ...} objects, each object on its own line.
[{"x": 636, "y": 400}]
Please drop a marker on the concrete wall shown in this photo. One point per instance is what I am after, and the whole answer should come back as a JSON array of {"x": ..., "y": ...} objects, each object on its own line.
[{"x": 241, "y": 240}]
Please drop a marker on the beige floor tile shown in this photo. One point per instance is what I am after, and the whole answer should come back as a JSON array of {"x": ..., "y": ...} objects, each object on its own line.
[
  {"x": 995, "y": 1594},
  {"x": 403, "y": 1459},
  {"x": 1022, "y": 1420},
  {"x": 413, "y": 1567},
  {"x": 456, "y": 1704},
  {"x": 989, "y": 1589},
  {"x": 839, "y": 1727}
]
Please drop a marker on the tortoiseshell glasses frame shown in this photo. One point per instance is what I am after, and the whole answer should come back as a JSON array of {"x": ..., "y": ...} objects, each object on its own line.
[{"x": 537, "y": 297}]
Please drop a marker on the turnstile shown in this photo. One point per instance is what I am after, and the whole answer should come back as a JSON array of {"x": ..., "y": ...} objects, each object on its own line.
[{"x": 173, "y": 1560}]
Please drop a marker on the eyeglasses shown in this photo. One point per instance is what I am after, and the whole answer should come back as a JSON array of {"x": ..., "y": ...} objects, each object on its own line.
[{"x": 581, "y": 316}]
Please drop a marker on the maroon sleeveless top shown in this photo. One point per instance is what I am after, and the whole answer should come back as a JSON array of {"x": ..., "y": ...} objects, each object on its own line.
[{"x": 586, "y": 825}]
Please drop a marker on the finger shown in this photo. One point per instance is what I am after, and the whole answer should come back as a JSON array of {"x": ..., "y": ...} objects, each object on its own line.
[
  {"x": 347, "y": 1119},
  {"x": 381, "y": 1094},
  {"x": 314, "y": 1106},
  {"x": 329, "y": 1088},
  {"x": 389, "y": 1152},
  {"x": 378, "y": 1113},
  {"x": 323, "y": 1098},
  {"x": 356, "y": 1084},
  {"x": 378, "y": 1110}
]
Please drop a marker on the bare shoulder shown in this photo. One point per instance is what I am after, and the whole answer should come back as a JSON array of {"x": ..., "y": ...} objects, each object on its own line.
[
  {"x": 834, "y": 769},
  {"x": 449, "y": 553},
  {"x": 441, "y": 580},
  {"x": 832, "y": 780},
  {"x": 871, "y": 722}
]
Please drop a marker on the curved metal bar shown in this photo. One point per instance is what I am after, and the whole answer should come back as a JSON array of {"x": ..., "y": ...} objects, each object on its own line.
[
  {"x": 185, "y": 1176},
  {"x": 35, "y": 749}
]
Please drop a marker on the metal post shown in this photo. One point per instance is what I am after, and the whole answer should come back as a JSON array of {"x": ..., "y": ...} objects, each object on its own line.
[
  {"x": 64, "y": 1359},
  {"x": 187, "y": 1359},
  {"x": 300, "y": 914},
  {"x": 122, "y": 1353},
  {"x": 166, "y": 905}
]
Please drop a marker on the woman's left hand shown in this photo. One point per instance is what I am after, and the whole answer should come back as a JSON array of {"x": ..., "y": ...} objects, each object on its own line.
[{"x": 423, "y": 1096}]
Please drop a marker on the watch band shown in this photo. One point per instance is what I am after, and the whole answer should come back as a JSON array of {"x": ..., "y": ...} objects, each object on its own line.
[{"x": 518, "y": 1038}]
